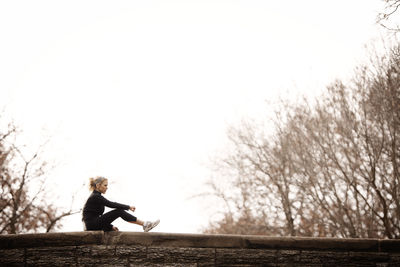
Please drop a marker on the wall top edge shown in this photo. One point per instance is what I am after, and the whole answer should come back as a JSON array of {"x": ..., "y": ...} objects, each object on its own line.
[{"x": 156, "y": 239}]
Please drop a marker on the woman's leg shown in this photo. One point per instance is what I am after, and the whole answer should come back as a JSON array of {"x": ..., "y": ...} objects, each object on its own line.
[
  {"x": 138, "y": 222},
  {"x": 147, "y": 226},
  {"x": 107, "y": 218}
]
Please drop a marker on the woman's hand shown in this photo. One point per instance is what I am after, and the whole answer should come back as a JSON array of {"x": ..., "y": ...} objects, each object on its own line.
[
  {"x": 132, "y": 208},
  {"x": 115, "y": 228}
]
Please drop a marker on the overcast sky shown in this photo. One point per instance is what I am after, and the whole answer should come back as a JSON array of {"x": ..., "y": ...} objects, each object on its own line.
[{"x": 143, "y": 91}]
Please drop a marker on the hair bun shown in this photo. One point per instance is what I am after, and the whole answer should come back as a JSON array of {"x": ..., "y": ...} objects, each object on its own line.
[{"x": 93, "y": 181}]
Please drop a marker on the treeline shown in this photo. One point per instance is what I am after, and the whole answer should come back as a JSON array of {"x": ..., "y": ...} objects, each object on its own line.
[{"x": 330, "y": 168}]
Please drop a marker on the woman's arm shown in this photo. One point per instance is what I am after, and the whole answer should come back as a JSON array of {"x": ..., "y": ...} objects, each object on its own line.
[{"x": 111, "y": 204}]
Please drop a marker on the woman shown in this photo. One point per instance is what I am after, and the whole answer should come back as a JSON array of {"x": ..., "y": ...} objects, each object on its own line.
[{"x": 93, "y": 216}]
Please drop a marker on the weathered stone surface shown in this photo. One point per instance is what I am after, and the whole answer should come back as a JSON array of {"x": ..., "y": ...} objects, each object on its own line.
[
  {"x": 163, "y": 265},
  {"x": 175, "y": 240},
  {"x": 102, "y": 255},
  {"x": 368, "y": 258},
  {"x": 102, "y": 251},
  {"x": 131, "y": 251},
  {"x": 12, "y": 257},
  {"x": 287, "y": 256},
  {"x": 51, "y": 256},
  {"x": 246, "y": 265},
  {"x": 311, "y": 243},
  {"x": 389, "y": 245},
  {"x": 195, "y": 240},
  {"x": 162, "y": 249},
  {"x": 51, "y": 239},
  {"x": 394, "y": 260},
  {"x": 83, "y": 251},
  {"x": 206, "y": 264},
  {"x": 179, "y": 255},
  {"x": 245, "y": 256},
  {"x": 136, "y": 255},
  {"x": 102, "y": 261},
  {"x": 323, "y": 257}
]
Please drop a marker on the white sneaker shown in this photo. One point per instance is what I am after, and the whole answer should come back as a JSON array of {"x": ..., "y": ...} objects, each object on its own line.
[{"x": 147, "y": 226}]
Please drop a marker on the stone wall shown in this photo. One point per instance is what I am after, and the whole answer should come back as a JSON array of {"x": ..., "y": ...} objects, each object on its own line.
[{"x": 164, "y": 249}]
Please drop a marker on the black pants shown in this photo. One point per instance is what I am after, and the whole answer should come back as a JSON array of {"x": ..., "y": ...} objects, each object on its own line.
[{"x": 104, "y": 221}]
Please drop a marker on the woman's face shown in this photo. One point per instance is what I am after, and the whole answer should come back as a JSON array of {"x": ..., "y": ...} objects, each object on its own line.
[{"x": 102, "y": 187}]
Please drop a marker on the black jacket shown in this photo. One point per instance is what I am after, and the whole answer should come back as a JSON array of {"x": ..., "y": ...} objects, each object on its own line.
[{"x": 94, "y": 206}]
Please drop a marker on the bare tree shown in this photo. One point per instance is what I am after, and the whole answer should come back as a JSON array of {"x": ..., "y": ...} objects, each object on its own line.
[
  {"x": 260, "y": 172},
  {"x": 23, "y": 203},
  {"x": 390, "y": 9},
  {"x": 330, "y": 168}
]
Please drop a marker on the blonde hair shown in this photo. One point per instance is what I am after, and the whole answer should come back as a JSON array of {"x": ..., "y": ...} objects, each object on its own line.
[{"x": 94, "y": 181}]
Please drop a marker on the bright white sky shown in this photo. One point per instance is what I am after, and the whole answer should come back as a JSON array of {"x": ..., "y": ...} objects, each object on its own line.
[{"x": 142, "y": 91}]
